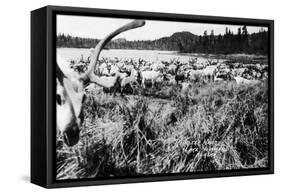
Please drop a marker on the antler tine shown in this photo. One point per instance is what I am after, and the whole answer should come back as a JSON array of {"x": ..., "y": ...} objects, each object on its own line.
[
  {"x": 89, "y": 75},
  {"x": 59, "y": 74}
]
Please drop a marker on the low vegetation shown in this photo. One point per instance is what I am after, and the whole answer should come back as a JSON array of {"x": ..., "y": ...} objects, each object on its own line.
[{"x": 212, "y": 126}]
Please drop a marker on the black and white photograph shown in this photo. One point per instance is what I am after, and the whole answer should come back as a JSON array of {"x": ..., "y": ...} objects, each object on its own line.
[{"x": 140, "y": 97}]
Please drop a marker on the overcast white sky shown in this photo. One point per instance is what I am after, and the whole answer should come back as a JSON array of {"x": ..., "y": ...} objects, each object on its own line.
[{"x": 99, "y": 27}]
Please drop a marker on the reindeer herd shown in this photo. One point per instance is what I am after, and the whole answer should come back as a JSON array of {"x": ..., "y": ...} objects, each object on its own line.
[
  {"x": 141, "y": 74},
  {"x": 133, "y": 76}
]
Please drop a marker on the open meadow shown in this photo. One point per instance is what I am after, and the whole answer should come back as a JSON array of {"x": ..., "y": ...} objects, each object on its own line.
[{"x": 202, "y": 113}]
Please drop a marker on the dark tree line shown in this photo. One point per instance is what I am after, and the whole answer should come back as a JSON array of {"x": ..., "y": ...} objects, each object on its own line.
[
  {"x": 185, "y": 42},
  {"x": 241, "y": 42}
]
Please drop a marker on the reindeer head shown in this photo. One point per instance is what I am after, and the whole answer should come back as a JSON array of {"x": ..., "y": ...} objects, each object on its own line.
[{"x": 70, "y": 88}]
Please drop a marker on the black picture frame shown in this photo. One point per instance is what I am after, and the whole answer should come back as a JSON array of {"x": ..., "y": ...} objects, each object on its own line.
[{"x": 43, "y": 52}]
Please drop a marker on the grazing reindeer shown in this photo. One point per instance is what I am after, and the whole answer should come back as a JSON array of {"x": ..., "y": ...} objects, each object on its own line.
[
  {"x": 70, "y": 88},
  {"x": 150, "y": 76},
  {"x": 209, "y": 73},
  {"x": 130, "y": 81}
]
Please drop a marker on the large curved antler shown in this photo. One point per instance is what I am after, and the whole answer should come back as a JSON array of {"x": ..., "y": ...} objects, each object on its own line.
[{"x": 90, "y": 76}]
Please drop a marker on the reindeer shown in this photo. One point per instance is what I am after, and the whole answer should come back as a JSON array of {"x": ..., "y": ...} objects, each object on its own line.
[
  {"x": 150, "y": 76},
  {"x": 209, "y": 73},
  {"x": 130, "y": 81},
  {"x": 70, "y": 88},
  {"x": 240, "y": 80}
]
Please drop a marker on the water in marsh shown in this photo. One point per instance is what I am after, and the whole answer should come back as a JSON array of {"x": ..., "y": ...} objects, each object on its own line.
[{"x": 148, "y": 55}]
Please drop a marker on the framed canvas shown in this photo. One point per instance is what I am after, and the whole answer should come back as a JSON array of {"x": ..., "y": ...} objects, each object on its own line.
[{"x": 126, "y": 96}]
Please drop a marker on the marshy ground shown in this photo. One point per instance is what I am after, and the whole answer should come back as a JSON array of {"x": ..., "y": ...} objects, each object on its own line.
[{"x": 212, "y": 126}]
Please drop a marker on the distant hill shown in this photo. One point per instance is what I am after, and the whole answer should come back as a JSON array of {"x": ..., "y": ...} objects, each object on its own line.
[
  {"x": 180, "y": 41},
  {"x": 185, "y": 42},
  {"x": 183, "y": 37}
]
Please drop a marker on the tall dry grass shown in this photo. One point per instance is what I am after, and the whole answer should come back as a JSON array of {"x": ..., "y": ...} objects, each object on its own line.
[{"x": 216, "y": 126}]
